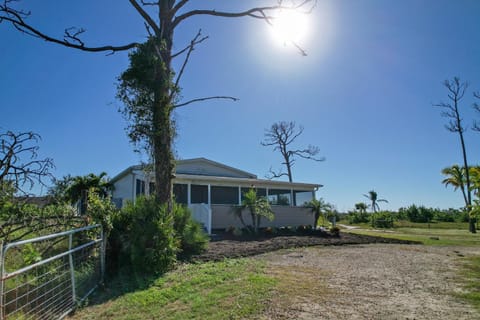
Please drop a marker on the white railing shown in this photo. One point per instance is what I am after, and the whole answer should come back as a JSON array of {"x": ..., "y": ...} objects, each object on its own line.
[
  {"x": 46, "y": 277},
  {"x": 202, "y": 213}
]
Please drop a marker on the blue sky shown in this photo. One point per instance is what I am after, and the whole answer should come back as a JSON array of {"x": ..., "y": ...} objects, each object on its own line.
[{"x": 364, "y": 93}]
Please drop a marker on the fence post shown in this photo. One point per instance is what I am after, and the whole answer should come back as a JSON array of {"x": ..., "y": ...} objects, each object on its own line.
[
  {"x": 103, "y": 245},
  {"x": 72, "y": 270}
]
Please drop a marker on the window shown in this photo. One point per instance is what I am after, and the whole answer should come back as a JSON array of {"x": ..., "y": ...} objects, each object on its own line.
[
  {"x": 261, "y": 192},
  {"x": 180, "y": 191},
  {"x": 224, "y": 195},
  {"x": 279, "y": 197},
  {"x": 302, "y": 196},
  {"x": 199, "y": 193},
  {"x": 139, "y": 187}
]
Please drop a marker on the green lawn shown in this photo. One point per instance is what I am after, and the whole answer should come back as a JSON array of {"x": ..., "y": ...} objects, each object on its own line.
[
  {"x": 471, "y": 276},
  {"x": 438, "y": 234},
  {"x": 232, "y": 289}
]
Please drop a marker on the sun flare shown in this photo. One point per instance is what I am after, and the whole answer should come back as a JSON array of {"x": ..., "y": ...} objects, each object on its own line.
[{"x": 289, "y": 26}]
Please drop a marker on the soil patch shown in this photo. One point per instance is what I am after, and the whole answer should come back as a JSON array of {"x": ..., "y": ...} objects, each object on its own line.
[
  {"x": 225, "y": 246},
  {"x": 373, "y": 281}
]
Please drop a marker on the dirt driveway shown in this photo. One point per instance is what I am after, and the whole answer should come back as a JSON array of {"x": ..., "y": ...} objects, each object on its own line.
[{"x": 373, "y": 281}]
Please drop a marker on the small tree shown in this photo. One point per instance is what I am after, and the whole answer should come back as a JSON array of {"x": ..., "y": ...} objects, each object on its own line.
[
  {"x": 281, "y": 135},
  {"x": 19, "y": 163},
  {"x": 318, "y": 208},
  {"x": 257, "y": 206}
]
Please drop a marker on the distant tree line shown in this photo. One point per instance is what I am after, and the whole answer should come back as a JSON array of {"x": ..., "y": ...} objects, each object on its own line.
[{"x": 412, "y": 213}]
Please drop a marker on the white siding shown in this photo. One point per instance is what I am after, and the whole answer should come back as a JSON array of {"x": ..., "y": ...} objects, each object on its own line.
[{"x": 124, "y": 189}]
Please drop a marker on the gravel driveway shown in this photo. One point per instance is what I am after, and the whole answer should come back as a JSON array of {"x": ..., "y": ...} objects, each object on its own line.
[{"x": 373, "y": 281}]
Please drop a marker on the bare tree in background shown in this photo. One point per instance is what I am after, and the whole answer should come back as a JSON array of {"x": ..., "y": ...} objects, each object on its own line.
[
  {"x": 19, "y": 166},
  {"x": 160, "y": 18},
  {"x": 280, "y": 136},
  {"x": 455, "y": 93}
]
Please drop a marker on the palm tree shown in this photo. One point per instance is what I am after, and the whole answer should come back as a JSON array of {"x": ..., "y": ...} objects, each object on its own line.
[
  {"x": 258, "y": 206},
  {"x": 78, "y": 188},
  {"x": 361, "y": 207},
  {"x": 456, "y": 178},
  {"x": 475, "y": 180},
  {"x": 373, "y": 197},
  {"x": 318, "y": 207}
]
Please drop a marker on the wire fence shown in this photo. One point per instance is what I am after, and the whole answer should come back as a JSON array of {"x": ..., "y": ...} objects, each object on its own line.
[{"x": 46, "y": 277}]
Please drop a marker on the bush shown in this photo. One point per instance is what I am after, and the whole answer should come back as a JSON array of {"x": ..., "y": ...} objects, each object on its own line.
[
  {"x": 148, "y": 240},
  {"x": 193, "y": 239},
  {"x": 382, "y": 219},
  {"x": 143, "y": 237},
  {"x": 358, "y": 217},
  {"x": 418, "y": 214}
]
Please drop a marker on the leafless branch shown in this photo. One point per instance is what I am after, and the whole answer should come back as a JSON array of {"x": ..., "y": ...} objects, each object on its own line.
[
  {"x": 204, "y": 99},
  {"x": 274, "y": 175},
  {"x": 14, "y": 148},
  {"x": 261, "y": 13},
  {"x": 147, "y": 3},
  {"x": 309, "y": 153},
  {"x": 456, "y": 91},
  {"x": 145, "y": 16},
  {"x": 196, "y": 40},
  {"x": 17, "y": 19},
  {"x": 179, "y": 5}
]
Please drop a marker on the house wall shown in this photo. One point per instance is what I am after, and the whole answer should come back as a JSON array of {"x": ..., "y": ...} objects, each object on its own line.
[
  {"x": 123, "y": 190},
  {"x": 223, "y": 217}
]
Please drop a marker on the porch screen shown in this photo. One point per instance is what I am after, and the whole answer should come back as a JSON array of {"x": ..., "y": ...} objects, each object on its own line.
[
  {"x": 279, "y": 197},
  {"x": 199, "y": 193},
  {"x": 261, "y": 192},
  {"x": 224, "y": 195},
  {"x": 302, "y": 197},
  {"x": 180, "y": 192}
]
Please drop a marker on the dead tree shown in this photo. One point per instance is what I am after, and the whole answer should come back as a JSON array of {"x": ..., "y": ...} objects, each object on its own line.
[
  {"x": 456, "y": 91},
  {"x": 281, "y": 135},
  {"x": 161, "y": 18},
  {"x": 19, "y": 166}
]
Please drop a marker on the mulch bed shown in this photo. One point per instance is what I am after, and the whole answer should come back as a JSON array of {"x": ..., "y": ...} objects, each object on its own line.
[{"x": 226, "y": 246}]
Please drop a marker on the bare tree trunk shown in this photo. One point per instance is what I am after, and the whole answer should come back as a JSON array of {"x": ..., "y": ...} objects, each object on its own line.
[{"x": 164, "y": 164}]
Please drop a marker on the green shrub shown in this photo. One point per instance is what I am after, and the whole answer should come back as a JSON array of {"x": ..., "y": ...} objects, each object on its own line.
[
  {"x": 418, "y": 214},
  {"x": 358, "y": 217},
  {"x": 382, "y": 219},
  {"x": 143, "y": 237},
  {"x": 101, "y": 210},
  {"x": 193, "y": 239},
  {"x": 148, "y": 240}
]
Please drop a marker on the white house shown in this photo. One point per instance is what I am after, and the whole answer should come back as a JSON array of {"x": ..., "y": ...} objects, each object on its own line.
[{"x": 211, "y": 189}]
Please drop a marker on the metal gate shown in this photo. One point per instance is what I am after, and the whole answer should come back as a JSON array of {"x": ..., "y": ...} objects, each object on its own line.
[{"x": 46, "y": 277}]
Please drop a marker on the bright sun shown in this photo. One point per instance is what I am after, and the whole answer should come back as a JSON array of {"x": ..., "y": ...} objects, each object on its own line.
[{"x": 289, "y": 26}]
